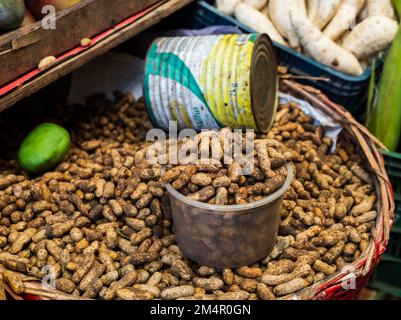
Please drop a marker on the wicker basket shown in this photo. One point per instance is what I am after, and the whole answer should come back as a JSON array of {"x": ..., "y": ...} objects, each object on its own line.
[
  {"x": 335, "y": 286},
  {"x": 332, "y": 287}
]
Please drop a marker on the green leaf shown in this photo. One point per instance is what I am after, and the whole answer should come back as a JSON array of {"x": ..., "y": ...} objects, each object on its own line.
[{"x": 371, "y": 92}]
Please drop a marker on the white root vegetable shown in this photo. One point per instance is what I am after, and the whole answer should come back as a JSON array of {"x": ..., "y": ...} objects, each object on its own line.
[
  {"x": 364, "y": 64},
  {"x": 381, "y": 8},
  {"x": 371, "y": 36},
  {"x": 257, "y": 4},
  {"x": 344, "y": 19},
  {"x": 359, "y": 5},
  {"x": 322, "y": 49},
  {"x": 227, "y": 6},
  {"x": 265, "y": 10},
  {"x": 302, "y": 8},
  {"x": 327, "y": 9},
  {"x": 363, "y": 13},
  {"x": 256, "y": 20},
  {"x": 279, "y": 11},
  {"x": 313, "y": 8},
  {"x": 340, "y": 40}
]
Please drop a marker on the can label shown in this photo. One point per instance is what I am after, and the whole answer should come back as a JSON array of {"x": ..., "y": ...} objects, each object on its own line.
[{"x": 200, "y": 82}]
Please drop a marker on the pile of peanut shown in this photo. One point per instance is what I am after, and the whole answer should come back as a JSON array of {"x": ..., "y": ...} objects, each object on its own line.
[
  {"x": 228, "y": 168},
  {"x": 101, "y": 219},
  {"x": 220, "y": 181}
]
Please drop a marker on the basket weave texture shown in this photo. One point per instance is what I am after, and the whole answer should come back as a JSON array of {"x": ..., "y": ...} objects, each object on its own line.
[{"x": 339, "y": 286}]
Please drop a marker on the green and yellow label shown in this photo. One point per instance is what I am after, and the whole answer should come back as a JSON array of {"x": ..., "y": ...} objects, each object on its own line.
[{"x": 200, "y": 82}]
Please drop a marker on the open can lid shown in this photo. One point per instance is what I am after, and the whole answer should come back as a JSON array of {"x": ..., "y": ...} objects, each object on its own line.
[{"x": 264, "y": 83}]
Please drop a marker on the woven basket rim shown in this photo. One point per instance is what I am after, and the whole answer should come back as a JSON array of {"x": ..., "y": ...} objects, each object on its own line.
[{"x": 331, "y": 287}]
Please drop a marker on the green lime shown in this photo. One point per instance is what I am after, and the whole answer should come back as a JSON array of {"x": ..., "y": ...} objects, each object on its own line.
[{"x": 43, "y": 148}]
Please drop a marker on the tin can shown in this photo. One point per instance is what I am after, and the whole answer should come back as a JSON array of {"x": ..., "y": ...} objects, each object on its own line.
[{"x": 210, "y": 82}]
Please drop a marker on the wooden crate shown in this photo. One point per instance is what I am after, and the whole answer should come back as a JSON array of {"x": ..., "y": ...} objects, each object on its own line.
[
  {"x": 22, "y": 49},
  {"x": 76, "y": 56}
]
